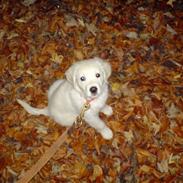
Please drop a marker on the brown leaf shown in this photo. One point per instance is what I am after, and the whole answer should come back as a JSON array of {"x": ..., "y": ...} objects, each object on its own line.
[{"x": 97, "y": 172}]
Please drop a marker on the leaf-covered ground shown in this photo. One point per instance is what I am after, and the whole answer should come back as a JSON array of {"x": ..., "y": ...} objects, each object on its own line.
[{"x": 142, "y": 40}]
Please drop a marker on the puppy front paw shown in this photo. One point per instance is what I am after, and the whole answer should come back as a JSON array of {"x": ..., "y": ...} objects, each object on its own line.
[
  {"x": 107, "y": 133},
  {"x": 107, "y": 110}
]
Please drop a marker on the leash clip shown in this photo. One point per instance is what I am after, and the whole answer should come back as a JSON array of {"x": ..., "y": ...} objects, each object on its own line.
[{"x": 79, "y": 119}]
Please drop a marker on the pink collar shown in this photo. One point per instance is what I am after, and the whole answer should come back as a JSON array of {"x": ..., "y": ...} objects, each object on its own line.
[{"x": 89, "y": 101}]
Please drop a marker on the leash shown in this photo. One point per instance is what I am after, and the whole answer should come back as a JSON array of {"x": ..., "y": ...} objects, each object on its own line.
[
  {"x": 53, "y": 148},
  {"x": 79, "y": 119}
]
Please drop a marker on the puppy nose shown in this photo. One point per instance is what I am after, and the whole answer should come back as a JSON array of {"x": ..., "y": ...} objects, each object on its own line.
[{"x": 93, "y": 89}]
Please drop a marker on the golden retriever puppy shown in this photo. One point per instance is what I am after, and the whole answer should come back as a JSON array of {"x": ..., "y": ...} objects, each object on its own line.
[{"x": 86, "y": 81}]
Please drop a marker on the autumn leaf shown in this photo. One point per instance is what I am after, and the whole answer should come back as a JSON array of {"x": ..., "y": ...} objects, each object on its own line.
[
  {"x": 173, "y": 111},
  {"x": 129, "y": 136},
  {"x": 132, "y": 35},
  {"x": 56, "y": 58},
  {"x": 71, "y": 21},
  {"x": 97, "y": 172},
  {"x": 170, "y": 2},
  {"x": 78, "y": 54},
  {"x": 91, "y": 28},
  {"x": 171, "y": 30}
]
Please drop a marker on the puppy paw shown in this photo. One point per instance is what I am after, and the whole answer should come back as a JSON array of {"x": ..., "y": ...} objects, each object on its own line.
[
  {"x": 107, "y": 133},
  {"x": 107, "y": 110}
]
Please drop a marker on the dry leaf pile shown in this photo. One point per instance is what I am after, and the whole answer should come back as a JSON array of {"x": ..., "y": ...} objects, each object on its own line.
[{"x": 142, "y": 40}]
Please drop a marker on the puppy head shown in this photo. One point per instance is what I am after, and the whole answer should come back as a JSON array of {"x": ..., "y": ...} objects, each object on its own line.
[{"x": 89, "y": 76}]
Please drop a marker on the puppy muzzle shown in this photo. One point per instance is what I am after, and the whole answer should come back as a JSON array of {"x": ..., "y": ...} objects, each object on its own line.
[{"x": 93, "y": 91}]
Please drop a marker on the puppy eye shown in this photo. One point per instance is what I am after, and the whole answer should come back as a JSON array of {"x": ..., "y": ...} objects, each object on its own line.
[
  {"x": 97, "y": 75},
  {"x": 82, "y": 78}
]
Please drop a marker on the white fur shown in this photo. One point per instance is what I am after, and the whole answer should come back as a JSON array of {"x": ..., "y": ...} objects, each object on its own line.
[{"x": 66, "y": 97}]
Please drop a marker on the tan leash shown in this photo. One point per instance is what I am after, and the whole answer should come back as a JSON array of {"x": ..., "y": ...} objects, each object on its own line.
[{"x": 27, "y": 176}]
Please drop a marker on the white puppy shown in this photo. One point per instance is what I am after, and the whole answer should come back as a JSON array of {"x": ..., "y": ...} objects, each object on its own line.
[{"x": 86, "y": 81}]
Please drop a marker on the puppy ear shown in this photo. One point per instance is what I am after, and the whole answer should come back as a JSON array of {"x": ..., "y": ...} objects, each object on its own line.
[
  {"x": 70, "y": 74},
  {"x": 106, "y": 67}
]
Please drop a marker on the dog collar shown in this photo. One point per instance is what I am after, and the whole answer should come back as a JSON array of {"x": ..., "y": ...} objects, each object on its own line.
[{"x": 89, "y": 101}]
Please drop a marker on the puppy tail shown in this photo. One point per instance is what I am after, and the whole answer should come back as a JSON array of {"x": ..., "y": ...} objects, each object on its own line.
[{"x": 32, "y": 110}]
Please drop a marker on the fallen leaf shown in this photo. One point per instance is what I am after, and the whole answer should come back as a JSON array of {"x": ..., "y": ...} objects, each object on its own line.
[
  {"x": 132, "y": 35},
  {"x": 171, "y": 30},
  {"x": 20, "y": 20},
  {"x": 12, "y": 35},
  {"x": 92, "y": 28},
  {"x": 56, "y": 58},
  {"x": 163, "y": 166},
  {"x": 97, "y": 172},
  {"x": 55, "y": 169},
  {"x": 2, "y": 33},
  {"x": 116, "y": 88},
  {"x": 41, "y": 129},
  {"x": 170, "y": 2},
  {"x": 28, "y": 2},
  {"x": 173, "y": 111},
  {"x": 78, "y": 54},
  {"x": 129, "y": 136},
  {"x": 71, "y": 21},
  {"x": 156, "y": 127}
]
